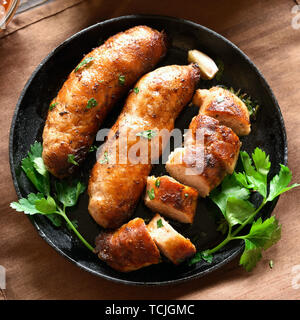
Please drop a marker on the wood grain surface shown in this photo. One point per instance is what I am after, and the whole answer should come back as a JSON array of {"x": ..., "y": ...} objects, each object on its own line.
[{"x": 263, "y": 30}]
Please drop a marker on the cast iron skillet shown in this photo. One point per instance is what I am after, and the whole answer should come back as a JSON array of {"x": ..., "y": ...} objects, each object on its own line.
[{"x": 268, "y": 133}]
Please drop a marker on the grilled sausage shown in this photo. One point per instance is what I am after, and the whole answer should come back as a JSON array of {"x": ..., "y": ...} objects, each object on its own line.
[
  {"x": 171, "y": 198},
  {"x": 114, "y": 189},
  {"x": 129, "y": 248},
  {"x": 172, "y": 244},
  {"x": 224, "y": 106},
  {"x": 102, "y": 77},
  {"x": 219, "y": 150}
]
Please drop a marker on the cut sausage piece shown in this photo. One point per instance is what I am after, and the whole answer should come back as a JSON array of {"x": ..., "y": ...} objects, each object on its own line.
[
  {"x": 207, "y": 158},
  {"x": 91, "y": 90},
  {"x": 115, "y": 185},
  {"x": 172, "y": 244},
  {"x": 129, "y": 248},
  {"x": 224, "y": 106},
  {"x": 171, "y": 198}
]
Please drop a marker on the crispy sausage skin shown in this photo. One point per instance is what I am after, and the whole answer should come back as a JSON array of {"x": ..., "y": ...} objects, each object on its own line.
[
  {"x": 219, "y": 150},
  {"x": 103, "y": 76},
  {"x": 115, "y": 188},
  {"x": 129, "y": 248}
]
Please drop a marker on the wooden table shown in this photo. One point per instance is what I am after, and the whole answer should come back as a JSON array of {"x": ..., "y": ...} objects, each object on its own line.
[{"x": 263, "y": 30}]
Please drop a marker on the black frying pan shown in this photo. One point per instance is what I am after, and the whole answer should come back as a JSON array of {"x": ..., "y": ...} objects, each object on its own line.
[{"x": 268, "y": 133}]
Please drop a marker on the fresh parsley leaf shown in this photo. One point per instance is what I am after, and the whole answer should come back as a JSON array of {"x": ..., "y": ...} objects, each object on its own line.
[
  {"x": 151, "y": 194},
  {"x": 71, "y": 159},
  {"x": 230, "y": 187},
  {"x": 27, "y": 205},
  {"x": 91, "y": 103},
  {"x": 255, "y": 177},
  {"x": 264, "y": 233},
  {"x": 84, "y": 63},
  {"x": 67, "y": 193},
  {"x": 40, "y": 167},
  {"x": 121, "y": 80},
  {"x": 250, "y": 256},
  {"x": 201, "y": 255},
  {"x": 136, "y": 90},
  {"x": 262, "y": 162},
  {"x": 159, "y": 223},
  {"x": 55, "y": 219},
  {"x": 147, "y": 134},
  {"x": 279, "y": 183},
  {"x": 238, "y": 210},
  {"x": 35, "y": 170},
  {"x": 46, "y": 205}
]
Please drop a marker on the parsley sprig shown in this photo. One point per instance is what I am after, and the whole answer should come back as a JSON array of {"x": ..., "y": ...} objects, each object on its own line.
[
  {"x": 52, "y": 206},
  {"x": 232, "y": 198}
]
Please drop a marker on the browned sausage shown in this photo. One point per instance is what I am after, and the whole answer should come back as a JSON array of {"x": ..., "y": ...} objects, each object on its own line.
[
  {"x": 114, "y": 189},
  {"x": 92, "y": 88}
]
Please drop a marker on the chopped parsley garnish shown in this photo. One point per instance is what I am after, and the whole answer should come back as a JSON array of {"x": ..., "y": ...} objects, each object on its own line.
[
  {"x": 84, "y": 63},
  {"x": 136, "y": 90},
  {"x": 53, "y": 105},
  {"x": 121, "y": 80},
  {"x": 151, "y": 194},
  {"x": 157, "y": 183},
  {"x": 91, "y": 103},
  {"x": 93, "y": 148},
  {"x": 71, "y": 159},
  {"x": 147, "y": 134},
  {"x": 105, "y": 158},
  {"x": 159, "y": 223},
  {"x": 186, "y": 195}
]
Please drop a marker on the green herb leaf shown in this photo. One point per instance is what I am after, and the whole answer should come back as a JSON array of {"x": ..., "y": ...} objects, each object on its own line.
[
  {"x": 157, "y": 183},
  {"x": 238, "y": 210},
  {"x": 136, "y": 90},
  {"x": 35, "y": 170},
  {"x": 67, "y": 193},
  {"x": 264, "y": 233},
  {"x": 53, "y": 105},
  {"x": 250, "y": 256},
  {"x": 201, "y": 255},
  {"x": 159, "y": 223},
  {"x": 84, "y": 63},
  {"x": 91, "y": 103},
  {"x": 255, "y": 177},
  {"x": 230, "y": 187},
  {"x": 46, "y": 206},
  {"x": 121, "y": 80},
  {"x": 71, "y": 159},
  {"x": 93, "y": 148},
  {"x": 27, "y": 205},
  {"x": 147, "y": 134},
  {"x": 151, "y": 194},
  {"x": 279, "y": 183},
  {"x": 105, "y": 158}
]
